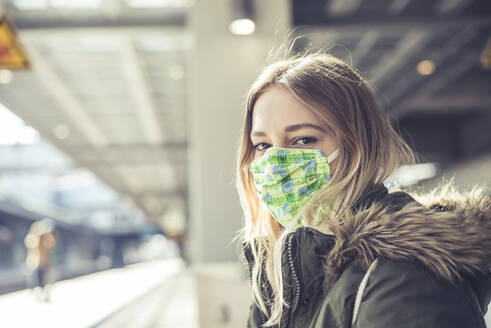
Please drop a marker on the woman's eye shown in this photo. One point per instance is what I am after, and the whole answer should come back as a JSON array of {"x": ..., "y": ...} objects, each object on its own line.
[
  {"x": 261, "y": 146},
  {"x": 305, "y": 141}
]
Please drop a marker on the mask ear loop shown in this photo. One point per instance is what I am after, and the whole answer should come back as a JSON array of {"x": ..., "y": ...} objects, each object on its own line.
[{"x": 333, "y": 156}]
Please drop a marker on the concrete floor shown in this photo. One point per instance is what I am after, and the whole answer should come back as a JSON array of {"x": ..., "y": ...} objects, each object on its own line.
[{"x": 156, "y": 294}]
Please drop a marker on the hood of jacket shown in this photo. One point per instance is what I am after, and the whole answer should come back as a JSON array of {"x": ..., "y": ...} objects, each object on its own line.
[{"x": 447, "y": 232}]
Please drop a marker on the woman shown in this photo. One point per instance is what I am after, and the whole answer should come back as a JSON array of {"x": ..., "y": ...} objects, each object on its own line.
[{"x": 326, "y": 244}]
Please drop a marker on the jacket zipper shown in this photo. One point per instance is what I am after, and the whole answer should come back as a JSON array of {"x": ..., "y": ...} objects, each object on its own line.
[
  {"x": 296, "y": 281},
  {"x": 263, "y": 318}
]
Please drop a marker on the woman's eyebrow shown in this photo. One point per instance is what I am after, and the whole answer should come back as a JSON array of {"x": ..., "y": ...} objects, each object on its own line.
[
  {"x": 258, "y": 134},
  {"x": 296, "y": 127},
  {"x": 291, "y": 128}
]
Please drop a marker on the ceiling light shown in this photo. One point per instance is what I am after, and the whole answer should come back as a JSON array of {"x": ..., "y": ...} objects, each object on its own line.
[
  {"x": 426, "y": 67},
  {"x": 174, "y": 221},
  {"x": 243, "y": 26},
  {"x": 5, "y": 76},
  {"x": 61, "y": 131},
  {"x": 242, "y": 22}
]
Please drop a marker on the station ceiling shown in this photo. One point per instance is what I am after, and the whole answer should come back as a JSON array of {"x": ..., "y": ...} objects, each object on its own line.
[
  {"x": 109, "y": 88},
  {"x": 428, "y": 60},
  {"x": 110, "y": 84}
]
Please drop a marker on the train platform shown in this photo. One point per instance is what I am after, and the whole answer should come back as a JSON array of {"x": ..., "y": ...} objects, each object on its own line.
[{"x": 155, "y": 294}]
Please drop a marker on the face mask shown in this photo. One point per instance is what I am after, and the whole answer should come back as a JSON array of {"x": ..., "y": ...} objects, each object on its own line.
[{"x": 286, "y": 178}]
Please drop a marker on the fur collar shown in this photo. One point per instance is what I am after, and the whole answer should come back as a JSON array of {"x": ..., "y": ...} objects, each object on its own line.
[{"x": 447, "y": 232}]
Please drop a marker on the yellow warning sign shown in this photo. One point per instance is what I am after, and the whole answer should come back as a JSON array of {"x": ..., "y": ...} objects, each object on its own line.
[{"x": 12, "y": 55}]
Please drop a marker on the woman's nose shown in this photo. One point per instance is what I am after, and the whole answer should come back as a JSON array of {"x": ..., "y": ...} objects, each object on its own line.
[{"x": 280, "y": 144}]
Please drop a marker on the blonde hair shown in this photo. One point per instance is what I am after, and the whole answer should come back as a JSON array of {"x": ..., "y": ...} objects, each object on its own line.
[{"x": 370, "y": 149}]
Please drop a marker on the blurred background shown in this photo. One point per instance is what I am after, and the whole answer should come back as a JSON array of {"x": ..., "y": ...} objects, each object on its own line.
[{"x": 119, "y": 127}]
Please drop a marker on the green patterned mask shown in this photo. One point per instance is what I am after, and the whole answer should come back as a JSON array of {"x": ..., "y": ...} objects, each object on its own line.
[{"x": 286, "y": 178}]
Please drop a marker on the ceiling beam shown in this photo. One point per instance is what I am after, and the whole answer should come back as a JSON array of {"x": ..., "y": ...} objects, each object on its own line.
[
  {"x": 162, "y": 194},
  {"x": 460, "y": 67},
  {"x": 397, "y": 6},
  {"x": 130, "y": 178},
  {"x": 401, "y": 88},
  {"x": 171, "y": 32},
  {"x": 55, "y": 171},
  {"x": 165, "y": 146},
  {"x": 398, "y": 24},
  {"x": 132, "y": 155},
  {"x": 410, "y": 44},
  {"x": 446, "y": 7},
  {"x": 452, "y": 102},
  {"x": 305, "y": 38},
  {"x": 340, "y": 8},
  {"x": 67, "y": 101},
  {"x": 366, "y": 43},
  {"x": 172, "y": 19},
  {"x": 139, "y": 90}
]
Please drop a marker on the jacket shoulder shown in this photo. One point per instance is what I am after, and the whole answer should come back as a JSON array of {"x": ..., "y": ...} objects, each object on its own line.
[{"x": 405, "y": 294}]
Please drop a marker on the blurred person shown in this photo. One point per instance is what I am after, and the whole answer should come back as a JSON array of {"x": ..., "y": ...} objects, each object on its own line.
[
  {"x": 40, "y": 243},
  {"x": 6, "y": 244},
  {"x": 326, "y": 244}
]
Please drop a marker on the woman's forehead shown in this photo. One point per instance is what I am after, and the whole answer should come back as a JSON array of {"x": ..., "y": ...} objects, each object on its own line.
[{"x": 278, "y": 108}]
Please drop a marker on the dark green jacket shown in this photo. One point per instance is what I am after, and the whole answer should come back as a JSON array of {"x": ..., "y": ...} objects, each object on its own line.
[{"x": 425, "y": 264}]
